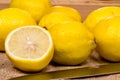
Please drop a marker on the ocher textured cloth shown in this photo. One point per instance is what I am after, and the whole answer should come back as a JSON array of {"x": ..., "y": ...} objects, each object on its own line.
[{"x": 7, "y": 70}]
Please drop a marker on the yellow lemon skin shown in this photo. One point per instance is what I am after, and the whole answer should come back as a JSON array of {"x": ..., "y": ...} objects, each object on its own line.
[
  {"x": 54, "y": 18},
  {"x": 31, "y": 65},
  {"x": 72, "y": 41},
  {"x": 37, "y": 8},
  {"x": 11, "y": 18},
  {"x": 99, "y": 14},
  {"x": 107, "y": 36},
  {"x": 71, "y": 12}
]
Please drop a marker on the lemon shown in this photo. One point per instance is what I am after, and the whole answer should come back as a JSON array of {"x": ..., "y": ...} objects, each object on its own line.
[
  {"x": 37, "y": 8},
  {"x": 54, "y": 18},
  {"x": 30, "y": 48},
  {"x": 99, "y": 14},
  {"x": 73, "y": 13},
  {"x": 11, "y": 18},
  {"x": 72, "y": 41},
  {"x": 107, "y": 35}
]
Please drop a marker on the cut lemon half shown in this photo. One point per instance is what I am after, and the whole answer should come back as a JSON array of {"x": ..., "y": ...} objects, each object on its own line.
[{"x": 30, "y": 48}]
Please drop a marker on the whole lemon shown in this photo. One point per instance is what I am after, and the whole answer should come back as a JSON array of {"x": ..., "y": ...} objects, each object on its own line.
[
  {"x": 99, "y": 14},
  {"x": 69, "y": 11},
  {"x": 72, "y": 41},
  {"x": 54, "y": 18},
  {"x": 37, "y": 8},
  {"x": 11, "y": 18},
  {"x": 107, "y": 36}
]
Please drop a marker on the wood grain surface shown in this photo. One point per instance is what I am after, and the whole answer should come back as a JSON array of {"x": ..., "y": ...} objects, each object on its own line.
[
  {"x": 83, "y": 6},
  {"x": 8, "y": 71}
]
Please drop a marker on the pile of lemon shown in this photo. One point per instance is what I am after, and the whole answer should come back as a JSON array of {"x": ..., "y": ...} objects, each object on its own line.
[{"x": 34, "y": 32}]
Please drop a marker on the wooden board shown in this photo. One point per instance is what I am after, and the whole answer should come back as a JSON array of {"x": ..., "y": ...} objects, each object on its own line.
[
  {"x": 7, "y": 70},
  {"x": 83, "y": 6}
]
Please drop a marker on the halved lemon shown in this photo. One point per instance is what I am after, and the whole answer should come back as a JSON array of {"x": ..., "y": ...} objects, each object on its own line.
[{"x": 30, "y": 48}]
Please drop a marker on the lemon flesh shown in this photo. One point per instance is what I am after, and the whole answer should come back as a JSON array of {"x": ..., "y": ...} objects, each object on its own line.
[
  {"x": 69, "y": 11},
  {"x": 72, "y": 41},
  {"x": 107, "y": 35},
  {"x": 12, "y": 18},
  {"x": 29, "y": 48},
  {"x": 99, "y": 14}
]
